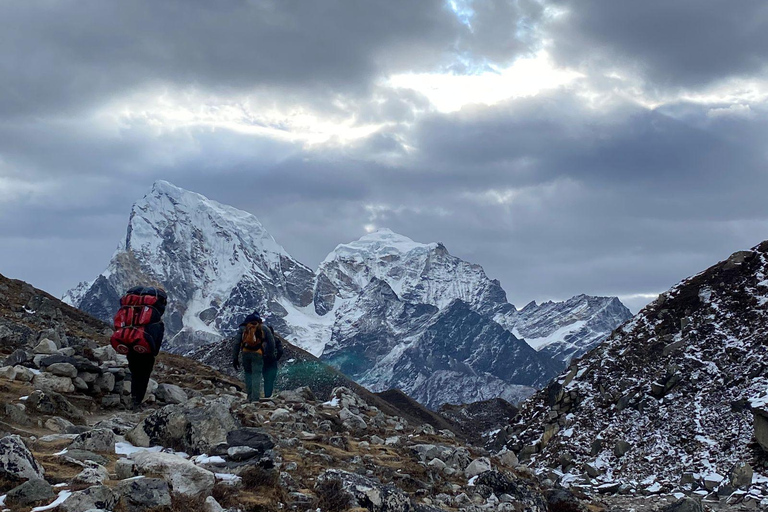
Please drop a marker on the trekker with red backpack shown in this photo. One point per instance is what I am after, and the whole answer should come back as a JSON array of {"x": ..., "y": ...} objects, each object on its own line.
[
  {"x": 139, "y": 331},
  {"x": 256, "y": 342}
]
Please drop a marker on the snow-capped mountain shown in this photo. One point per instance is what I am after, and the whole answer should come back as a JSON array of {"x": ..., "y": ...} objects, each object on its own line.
[
  {"x": 567, "y": 329},
  {"x": 664, "y": 403},
  {"x": 217, "y": 264},
  {"x": 372, "y": 308},
  {"x": 417, "y": 273}
]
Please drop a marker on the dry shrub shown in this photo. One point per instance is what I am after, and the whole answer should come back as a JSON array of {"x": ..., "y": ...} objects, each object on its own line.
[
  {"x": 330, "y": 496},
  {"x": 226, "y": 495},
  {"x": 255, "y": 477}
]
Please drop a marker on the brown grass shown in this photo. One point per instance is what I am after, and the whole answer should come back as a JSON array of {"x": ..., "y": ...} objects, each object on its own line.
[{"x": 330, "y": 497}]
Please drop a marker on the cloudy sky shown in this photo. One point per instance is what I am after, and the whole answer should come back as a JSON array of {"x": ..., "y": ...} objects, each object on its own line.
[{"x": 590, "y": 146}]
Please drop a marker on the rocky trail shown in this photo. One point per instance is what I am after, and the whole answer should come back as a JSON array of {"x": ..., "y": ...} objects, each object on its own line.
[{"x": 67, "y": 441}]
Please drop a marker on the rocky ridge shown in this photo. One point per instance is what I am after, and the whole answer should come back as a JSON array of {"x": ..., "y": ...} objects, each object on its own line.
[{"x": 672, "y": 401}]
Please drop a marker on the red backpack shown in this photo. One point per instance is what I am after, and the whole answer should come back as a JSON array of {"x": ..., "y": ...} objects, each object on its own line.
[{"x": 138, "y": 323}]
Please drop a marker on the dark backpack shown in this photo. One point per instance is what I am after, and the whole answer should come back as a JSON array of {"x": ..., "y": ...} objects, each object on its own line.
[
  {"x": 138, "y": 323},
  {"x": 278, "y": 344}
]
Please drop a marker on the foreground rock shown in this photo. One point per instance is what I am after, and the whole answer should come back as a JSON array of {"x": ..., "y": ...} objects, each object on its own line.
[
  {"x": 182, "y": 476},
  {"x": 17, "y": 462}
]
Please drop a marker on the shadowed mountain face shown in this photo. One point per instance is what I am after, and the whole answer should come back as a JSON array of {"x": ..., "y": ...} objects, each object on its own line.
[
  {"x": 388, "y": 311},
  {"x": 666, "y": 394}
]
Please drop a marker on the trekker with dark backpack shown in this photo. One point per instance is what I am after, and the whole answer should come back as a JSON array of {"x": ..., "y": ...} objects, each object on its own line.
[
  {"x": 256, "y": 342},
  {"x": 139, "y": 331}
]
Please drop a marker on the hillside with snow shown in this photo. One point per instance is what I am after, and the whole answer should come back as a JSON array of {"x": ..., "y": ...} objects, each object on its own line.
[{"x": 664, "y": 403}]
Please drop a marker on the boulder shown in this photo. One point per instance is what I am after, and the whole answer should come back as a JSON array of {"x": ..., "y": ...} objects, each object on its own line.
[
  {"x": 24, "y": 374},
  {"x": 105, "y": 382},
  {"x": 358, "y": 491},
  {"x": 94, "y": 474},
  {"x": 62, "y": 370},
  {"x": 251, "y": 437},
  {"x": 741, "y": 475},
  {"x": 170, "y": 394},
  {"x": 48, "y": 382},
  {"x": 761, "y": 427},
  {"x": 199, "y": 426},
  {"x": 621, "y": 448},
  {"x": 85, "y": 456},
  {"x": 51, "y": 403},
  {"x": 477, "y": 467},
  {"x": 8, "y": 372},
  {"x": 211, "y": 505},
  {"x": 30, "y": 492},
  {"x": 523, "y": 492},
  {"x": 352, "y": 421},
  {"x": 45, "y": 346},
  {"x": 563, "y": 499},
  {"x": 280, "y": 415},
  {"x": 508, "y": 458},
  {"x": 125, "y": 468},
  {"x": 96, "y": 497},
  {"x": 144, "y": 494},
  {"x": 16, "y": 461},
  {"x": 182, "y": 475},
  {"x": 100, "y": 440}
]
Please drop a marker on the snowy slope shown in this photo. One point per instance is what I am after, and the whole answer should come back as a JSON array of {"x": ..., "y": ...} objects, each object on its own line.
[
  {"x": 216, "y": 262},
  {"x": 674, "y": 384}
]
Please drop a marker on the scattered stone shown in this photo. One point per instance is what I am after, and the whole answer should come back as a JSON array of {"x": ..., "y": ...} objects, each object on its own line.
[
  {"x": 280, "y": 415},
  {"x": 352, "y": 421},
  {"x": 96, "y": 497},
  {"x": 51, "y": 403},
  {"x": 359, "y": 491},
  {"x": 62, "y": 370},
  {"x": 85, "y": 456},
  {"x": 508, "y": 458},
  {"x": 30, "y": 492},
  {"x": 621, "y": 448},
  {"x": 45, "y": 346},
  {"x": 110, "y": 401},
  {"x": 8, "y": 372},
  {"x": 477, "y": 467},
  {"x": 143, "y": 494},
  {"x": 741, "y": 475},
  {"x": 241, "y": 453},
  {"x": 16, "y": 461},
  {"x": 170, "y": 394},
  {"x": 47, "y": 382},
  {"x": 99, "y": 440},
  {"x": 211, "y": 505},
  {"x": 684, "y": 505},
  {"x": 92, "y": 475},
  {"x": 24, "y": 374},
  {"x": 125, "y": 468},
  {"x": 563, "y": 499},
  {"x": 182, "y": 475}
]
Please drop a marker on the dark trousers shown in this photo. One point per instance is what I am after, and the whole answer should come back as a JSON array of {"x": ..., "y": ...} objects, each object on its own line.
[
  {"x": 270, "y": 374},
  {"x": 141, "y": 369}
]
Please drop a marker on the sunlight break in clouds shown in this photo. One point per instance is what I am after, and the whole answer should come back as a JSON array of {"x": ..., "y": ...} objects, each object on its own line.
[
  {"x": 526, "y": 77},
  {"x": 290, "y": 123}
]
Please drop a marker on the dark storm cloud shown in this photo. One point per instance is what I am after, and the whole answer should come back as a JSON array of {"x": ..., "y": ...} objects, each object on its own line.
[
  {"x": 66, "y": 54},
  {"x": 681, "y": 43}
]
